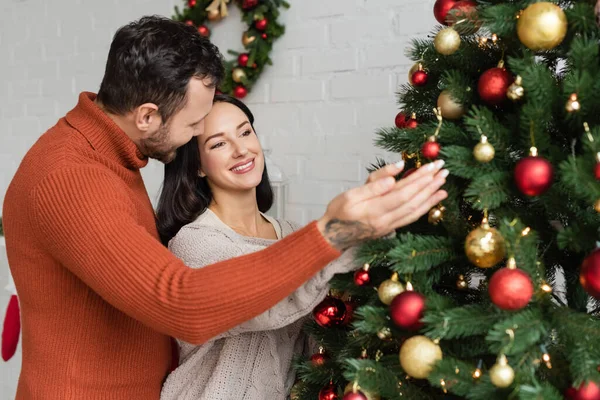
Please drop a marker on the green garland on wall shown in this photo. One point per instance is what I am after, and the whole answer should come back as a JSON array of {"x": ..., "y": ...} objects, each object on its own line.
[{"x": 242, "y": 72}]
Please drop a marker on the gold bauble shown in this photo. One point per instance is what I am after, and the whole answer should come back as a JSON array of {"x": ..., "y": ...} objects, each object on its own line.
[
  {"x": 573, "y": 103},
  {"x": 450, "y": 108},
  {"x": 461, "y": 283},
  {"x": 436, "y": 215},
  {"x": 542, "y": 26},
  {"x": 214, "y": 15},
  {"x": 447, "y": 41},
  {"x": 238, "y": 74},
  {"x": 246, "y": 39},
  {"x": 515, "y": 91},
  {"x": 484, "y": 246},
  {"x": 418, "y": 356},
  {"x": 388, "y": 290},
  {"x": 597, "y": 206},
  {"x": 370, "y": 396},
  {"x": 484, "y": 152},
  {"x": 501, "y": 374}
]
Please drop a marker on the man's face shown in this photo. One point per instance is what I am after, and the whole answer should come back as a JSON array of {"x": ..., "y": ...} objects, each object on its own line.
[{"x": 188, "y": 122}]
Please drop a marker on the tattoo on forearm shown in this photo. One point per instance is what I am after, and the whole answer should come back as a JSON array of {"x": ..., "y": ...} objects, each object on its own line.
[{"x": 344, "y": 234}]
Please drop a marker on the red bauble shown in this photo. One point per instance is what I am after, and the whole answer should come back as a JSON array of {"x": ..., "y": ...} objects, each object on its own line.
[
  {"x": 261, "y": 24},
  {"x": 533, "y": 175},
  {"x": 431, "y": 149},
  {"x": 589, "y": 277},
  {"x": 248, "y": 4},
  {"x": 464, "y": 9},
  {"x": 597, "y": 171},
  {"x": 412, "y": 123},
  {"x": 189, "y": 22},
  {"x": 204, "y": 31},
  {"x": 419, "y": 78},
  {"x": 361, "y": 277},
  {"x": 264, "y": 36},
  {"x": 192, "y": 3},
  {"x": 493, "y": 85},
  {"x": 329, "y": 392},
  {"x": 441, "y": 8},
  {"x": 330, "y": 312},
  {"x": 243, "y": 59},
  {"x": 510, "y": 289},
  {"x": 589, "y": 391},
  {"x": 355, "y": 396},
  {"x": 318, "y": 359},
  {"x": 240, "y": 92},
  {"x": 407, "y": 310},
  {"x": 400, "y": 120}
]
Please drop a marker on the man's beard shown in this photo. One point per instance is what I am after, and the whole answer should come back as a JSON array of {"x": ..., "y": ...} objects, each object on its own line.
[{"x": 158, "y": 146}]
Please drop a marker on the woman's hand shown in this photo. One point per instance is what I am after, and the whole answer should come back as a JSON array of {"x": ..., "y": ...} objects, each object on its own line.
[{"x": 381, "y": 205}]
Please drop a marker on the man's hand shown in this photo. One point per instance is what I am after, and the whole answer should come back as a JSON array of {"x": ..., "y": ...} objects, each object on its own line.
[{"x": 382, "y": 204}]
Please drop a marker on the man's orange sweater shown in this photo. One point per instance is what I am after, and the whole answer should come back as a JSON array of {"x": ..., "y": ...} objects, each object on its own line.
[{"x": 100, "y": 296}]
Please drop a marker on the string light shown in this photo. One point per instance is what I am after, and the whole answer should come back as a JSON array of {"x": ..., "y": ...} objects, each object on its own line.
[
  {"x": 546, "y": 288},
  {"x": 526, "y": 231},
  {"x": 546, "y": 357},
  {"x": 477, "y": 372},
  {"x": 443, "y": 383}
]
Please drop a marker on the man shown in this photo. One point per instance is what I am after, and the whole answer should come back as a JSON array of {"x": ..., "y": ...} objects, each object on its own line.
[{"x": 100, "y": 296}]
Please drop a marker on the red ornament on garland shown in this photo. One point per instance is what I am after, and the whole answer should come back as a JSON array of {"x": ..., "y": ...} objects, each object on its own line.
[
  {"x": 412, "y": 122},
  {"x": 243, "y": 59},
  {"x": 586, "y": 391},
  {"x": 189, "y": 22},
  {"x": 261, "y": 24},
  {"x": 589, "y": 276},
  {"x": 264, "y": 36},
  {"x": 329, "y": 392},
  {"x": 192, "y": 3},
  {"x": 431, "y": 148},
  {"x": 362, "y": 277},
  {"x": 510, "y": 288},
  {"x": 419, "y": 78},
  {"x": 407, "y": 310},
  {"x": 533, "y": 174},
  {"x": 318, "y": 359},
  {"x": 493, "y": 85},
  {"x": 400, "y": 120},
  {"x": 249, "y": 4},
  {"x": 330, "y": 312},
  {"x": 355, "y": 396},
  {"x": 597, "y": 168},
  {"x": 240, "y": 92},
  {"x": 441, "y": 8},
  {"x": 204, "y": 31}
]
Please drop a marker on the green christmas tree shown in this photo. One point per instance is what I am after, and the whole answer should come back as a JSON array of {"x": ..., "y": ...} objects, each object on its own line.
[{"x": 493, "y": 295}]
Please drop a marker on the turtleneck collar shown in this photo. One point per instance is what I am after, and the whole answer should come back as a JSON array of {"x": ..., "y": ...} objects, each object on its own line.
[{"x": 103, "y": 134}]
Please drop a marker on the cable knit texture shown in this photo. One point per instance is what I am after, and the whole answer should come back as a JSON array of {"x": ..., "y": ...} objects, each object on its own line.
[
  {"x": 253, "y": 360},
  {"x": 99, "y": 294}
]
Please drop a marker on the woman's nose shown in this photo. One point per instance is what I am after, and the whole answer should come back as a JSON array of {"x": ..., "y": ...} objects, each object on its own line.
[{"x": 240, "y": 150}]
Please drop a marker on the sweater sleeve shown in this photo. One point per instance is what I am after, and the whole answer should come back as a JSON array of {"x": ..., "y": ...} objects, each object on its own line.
[
  {"x": 88, "y": 223},
  {"x": 201, "y": 246}
]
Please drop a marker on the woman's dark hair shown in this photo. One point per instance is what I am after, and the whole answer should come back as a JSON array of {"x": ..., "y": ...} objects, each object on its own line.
[
  {"x": 152, "y": 60},
  {"x": 185, "y": 195}
]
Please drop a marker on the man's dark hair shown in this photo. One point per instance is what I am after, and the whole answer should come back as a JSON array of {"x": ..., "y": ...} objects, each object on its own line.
[{"x": 152, "y": 60}]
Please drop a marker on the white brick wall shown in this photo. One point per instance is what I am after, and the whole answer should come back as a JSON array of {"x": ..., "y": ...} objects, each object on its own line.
[{"x": 332, "y": 84}]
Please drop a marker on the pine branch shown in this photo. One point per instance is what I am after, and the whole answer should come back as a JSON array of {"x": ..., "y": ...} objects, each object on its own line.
[
  {"x": 416, "y": 253},
  {"x": 542, "y": 391},
  {"x": 460, "y": 322},
  {"x": 489, "y": 191},
  {"x": 529, "y": 329},
  {"x": 456, "y": 374}
]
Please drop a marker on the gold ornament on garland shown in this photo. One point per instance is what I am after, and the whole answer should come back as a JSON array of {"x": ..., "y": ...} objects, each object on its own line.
[
  {"x": 573, "y": 104},
  {"x": 461, "y": 283},
  {"x": 436, "y": 214},
  {"x": 214, "y": 15},
  {"x": 542, "y": 26},
  {"x": 389, "y": 289},
  {"x": 484, "y": 246},
  {"x": 352, "y": 387},
  {"x": 501, "y": 374},
  {"x": 515, "y": 90},
  {"x": 238, "y": 75},
  {"x": 418, "y": 355},
  {"x": 247, "y": 39},
  {"x": 450, "y": 108},
  {"x": 484, "y": 152},
  {"x": 447, "y": 41},
  {"x": 219, "y": 6}
]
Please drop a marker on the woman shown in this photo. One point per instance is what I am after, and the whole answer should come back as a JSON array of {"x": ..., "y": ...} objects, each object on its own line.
[{"x": 212, "y": 208}]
